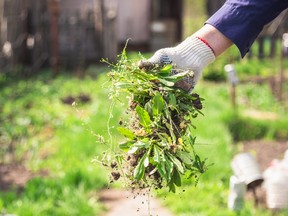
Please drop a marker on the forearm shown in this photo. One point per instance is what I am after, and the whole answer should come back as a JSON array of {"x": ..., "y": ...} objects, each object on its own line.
[
  {"x": 242, "y": 20},
  {"x": 218, "y": 41}
]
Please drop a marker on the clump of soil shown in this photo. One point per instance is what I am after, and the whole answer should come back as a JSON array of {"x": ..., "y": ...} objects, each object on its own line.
[{"x": 81, "y": 98}]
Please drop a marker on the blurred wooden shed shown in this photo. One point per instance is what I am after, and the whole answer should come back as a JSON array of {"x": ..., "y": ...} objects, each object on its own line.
[
  {"x": 73, "y": 32},
  {"x": 23, "y": 33},
  {"x": 76, "y": 33},
  {"x": 150, "y": 24}
]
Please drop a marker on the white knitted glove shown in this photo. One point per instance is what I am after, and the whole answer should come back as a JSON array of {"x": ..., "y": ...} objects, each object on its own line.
[{"x": 192, "y": 54}]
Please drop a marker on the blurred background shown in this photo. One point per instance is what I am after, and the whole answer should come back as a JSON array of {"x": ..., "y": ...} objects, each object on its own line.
[{"x": 50, "y": 52}]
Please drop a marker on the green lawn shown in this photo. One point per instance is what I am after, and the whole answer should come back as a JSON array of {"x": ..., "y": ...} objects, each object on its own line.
[
  {"x": 210, "y": 196},
  {"x": 62, "y": 139},
  {"x": 56, "y": 137}
]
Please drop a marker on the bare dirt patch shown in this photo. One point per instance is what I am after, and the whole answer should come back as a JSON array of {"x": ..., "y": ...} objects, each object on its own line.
[
  {"x": 265, "y": 152},
  {"x": 123, "y": 203},
  {"x": 15, "y": 176}
]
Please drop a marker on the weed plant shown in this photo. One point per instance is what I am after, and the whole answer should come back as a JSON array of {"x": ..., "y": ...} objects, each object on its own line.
[{"x": 159, "y": 134}]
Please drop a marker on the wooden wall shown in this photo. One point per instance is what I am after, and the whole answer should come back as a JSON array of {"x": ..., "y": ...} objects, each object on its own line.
[
  {"x": 133, "y": 21},
  {"x": 79, "y": 40},
  {"x": 72, "y": 33},
  {"x": 24, "y": 27}
]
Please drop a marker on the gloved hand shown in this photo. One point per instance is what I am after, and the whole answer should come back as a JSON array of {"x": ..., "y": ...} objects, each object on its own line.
[{"x": 192, "y": 54}]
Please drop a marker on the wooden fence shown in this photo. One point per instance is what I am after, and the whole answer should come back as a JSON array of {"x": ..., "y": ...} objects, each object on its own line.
[
  {"x": 24, "y": 34},
  {"x": 79, "y": 41}
]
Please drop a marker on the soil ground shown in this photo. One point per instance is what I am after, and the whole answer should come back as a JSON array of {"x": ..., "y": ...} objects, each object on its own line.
[
  {"x": 265, "y": 152},
  {"x": 13, "y": 176},
  {"x": 123, "y": 203},
  {"x": 16, "y": 176}
]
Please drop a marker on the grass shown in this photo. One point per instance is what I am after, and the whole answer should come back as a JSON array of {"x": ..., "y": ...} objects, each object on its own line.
[
  {"x": 210, "y": 196},
  {"x": 218, "y": 145},
  {"x": 57, "y": 137},
  {"x": 49, "y": 135}
]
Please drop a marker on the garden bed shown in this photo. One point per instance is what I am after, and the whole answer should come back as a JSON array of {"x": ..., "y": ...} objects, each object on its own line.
[{"x": 266, "y": 151}]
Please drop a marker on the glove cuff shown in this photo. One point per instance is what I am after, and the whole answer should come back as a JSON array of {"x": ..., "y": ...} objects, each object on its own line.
[{"x": 194, "y": 51}]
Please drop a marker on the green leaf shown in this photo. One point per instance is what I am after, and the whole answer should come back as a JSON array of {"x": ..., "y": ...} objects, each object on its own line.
[
  {"x": 126, "y": 132},
  {"x": 148, "y": 107},
  {"x": 176, "y": 162},
  {"x": 126, "y": 145},
  {"x": 169, "y": 167},
  {"x": 142, "y": 144},
  {"x": 172, "y": 100},
  {"x": 146, "y": 161},
  {"x": 185, "y": 106},
  {"x": 191, "y": 140},
  {"x": 172, "y": 187},
  {"x": 145, "y": 75},
  {"x": 133, "y": 149},
  {"x": 176, "y": 178},
  {"x": 165, "y": 138},
  {"x": 199, "y": 164},
  {"x": 170, "y": 128},
  {"x": 162, "y": 170},
  {"x": 166, "y": 69},
  {"x": 157, "y": 104},
  {"x": 140, "y": 169},
  {"x": 156, "y": 156},
  {"x": 124, "y": 85},
  {"x": 185, "y": 157},
  {"x": 144, "y": 117},
  {"x": 167, "y": 83},
  {"x": 178, "y": 76}
]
